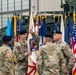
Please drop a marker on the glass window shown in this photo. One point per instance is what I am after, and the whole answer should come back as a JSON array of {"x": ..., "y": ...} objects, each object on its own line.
[
  {"x": 4, "y": 8},
  {"x": 4, "y": 5},
  {"x": 11, "y": 1},
  {"x": 25, "y": 13},
  {"x": 25, "y": 4},
  {"x": 17, "y": 1},
  {"x": 0, "y": 8},
  {"x": 0, "y": 21},
  {"x": 4, "y": 2},
  {"x": 0, "y": 2},
  {"x": 0, "y": 5},
  {"x": 4, "y": 19},
  {"x": 18, "y": 5},
  {"x": 0, "y": 18},
  {"x": 11, "y": 5}
]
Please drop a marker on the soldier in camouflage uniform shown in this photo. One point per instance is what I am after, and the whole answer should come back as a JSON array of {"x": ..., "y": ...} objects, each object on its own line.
[
  {"x": 6, "y": 57},
  {"x": 21, "y": 52},
  {"x": 68, "y": 55},
  {"x": 49, "y": 58}
]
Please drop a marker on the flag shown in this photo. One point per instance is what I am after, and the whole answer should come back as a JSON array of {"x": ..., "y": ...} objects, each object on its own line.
[
  {"x": 43, "y": 29},
  {"x": 31, "y": 58},
  {"x": 62, "y": 28},
  {"x": 68, "y": 30},
  {"x": 39, "y": 31},
  {"x": 74, "y": 15},
  {"x": 54, "y": 27},
  {"x": 20, "y": 25},
  {"x": 74, "y": 71},
  {"x": 19, "y": 28},
  {"x": 12, "y": 29},
  {"x": 59, "y": 25},
  {"x": 12, "y": 34},
  {"x": 74, "y": 38},
  {"x": 16, "y": 27},
  {"x": 74, "y": 47},
  {"x": 8, "y": 30},
  {"x": 15, "y": 30},
  {"x": 73, "y": 44},
  {"x": 37, "y": 27},
  {"x": 39, "y": 24}
]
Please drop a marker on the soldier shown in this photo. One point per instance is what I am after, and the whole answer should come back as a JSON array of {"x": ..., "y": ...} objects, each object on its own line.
[
  {"x": 49, "y": 58},
  {"x": 64, "y": 47},
  {"x": 6, "y": 57},
  {"x": 21, "y": 53}
]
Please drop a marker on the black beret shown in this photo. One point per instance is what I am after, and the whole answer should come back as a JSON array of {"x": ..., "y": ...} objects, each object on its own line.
[
  {"x": 6, "y": 38},
  {"x": 58, "y": 32},
  {"x": 22, "y": 32},
  {"x": 48, "y": 35}
]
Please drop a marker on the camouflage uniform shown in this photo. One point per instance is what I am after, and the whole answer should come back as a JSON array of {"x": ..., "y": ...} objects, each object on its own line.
[
  {"x": 48, "y": 60},
  {"x": 20, "y": 53},
  {"x": 68, "y": 55},
  {"x": 6, "y": 60},
  {"x": 36, "y": 41}
]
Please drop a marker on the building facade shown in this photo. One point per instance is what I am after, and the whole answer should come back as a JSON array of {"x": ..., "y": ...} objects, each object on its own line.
[
  {"x": 10, "y": 8},
  {"x": 47, "y": 5}
]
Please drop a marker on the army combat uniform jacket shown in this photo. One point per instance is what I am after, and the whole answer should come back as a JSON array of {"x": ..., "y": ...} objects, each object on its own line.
[
  {"x": 68, "y": 55},
  {"x": 49, "y": 59},
  {"x": 6, "y": 60},
  {"x": 20, "y": 53}
]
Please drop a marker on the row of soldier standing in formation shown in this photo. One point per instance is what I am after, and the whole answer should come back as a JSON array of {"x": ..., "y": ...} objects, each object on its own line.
[{"x": 52, "y": 58}]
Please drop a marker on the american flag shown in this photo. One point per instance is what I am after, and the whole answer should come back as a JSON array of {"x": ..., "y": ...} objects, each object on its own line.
[
  {"x": 74, "y": 39},
  {"x": 74, "y": 46}
]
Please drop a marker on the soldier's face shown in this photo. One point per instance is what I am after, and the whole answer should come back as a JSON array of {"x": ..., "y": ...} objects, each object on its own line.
[
  {"x": 24, "y": 36},
  {"x": 10, "y": 43},
  {"x": 56, "y": 37}
]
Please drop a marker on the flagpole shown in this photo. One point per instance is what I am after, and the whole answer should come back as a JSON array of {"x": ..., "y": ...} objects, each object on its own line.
[
  {"x": 29, "y": 7},
  {"x": 32, "y": 57}
]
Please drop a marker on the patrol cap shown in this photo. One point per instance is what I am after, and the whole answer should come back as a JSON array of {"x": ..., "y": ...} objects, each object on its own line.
[
  {"x": 49, "y": 35},
  {"x": 58, "y": 32},
  {"x": 22, "y": 32},
  {"x": 6, "y": 38}
]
